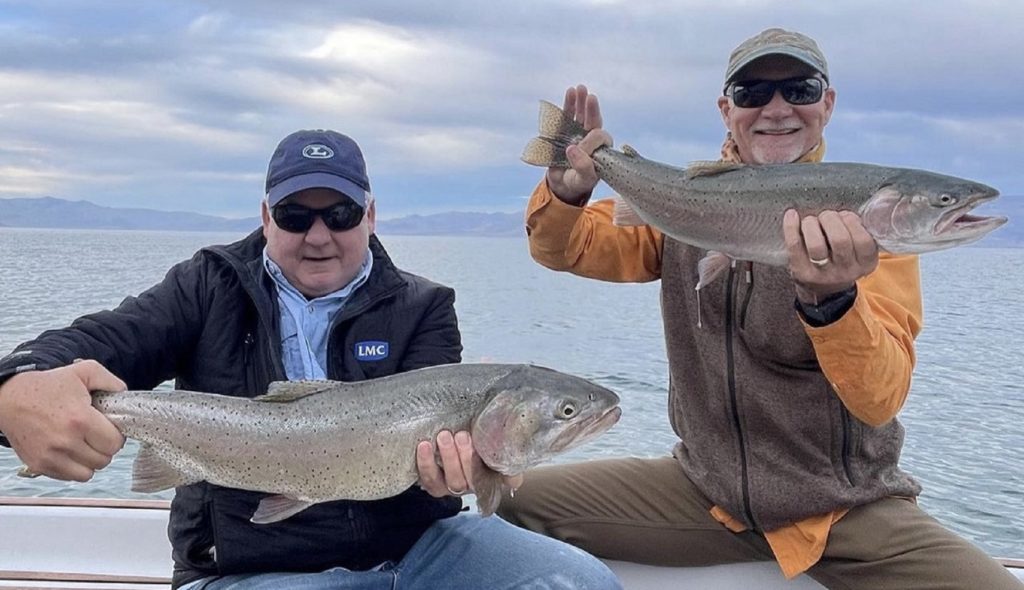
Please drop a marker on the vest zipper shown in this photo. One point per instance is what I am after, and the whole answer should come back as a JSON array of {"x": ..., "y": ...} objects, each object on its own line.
[
  {"x": 730, "y": 301},
  {"x": 844, "y": 415},
  {"x": 249, "y": 358}
]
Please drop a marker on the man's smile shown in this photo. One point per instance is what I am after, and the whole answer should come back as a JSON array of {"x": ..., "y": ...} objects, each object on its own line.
[{"x": 776, "y": 131}]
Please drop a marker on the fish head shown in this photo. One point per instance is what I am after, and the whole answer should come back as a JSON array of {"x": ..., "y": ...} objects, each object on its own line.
[
  {"x": 535, "y": 413},
  {"x": 917, "y": 211}
]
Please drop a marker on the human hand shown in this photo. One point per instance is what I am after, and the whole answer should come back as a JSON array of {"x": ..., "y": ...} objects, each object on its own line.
[
  {"x": 49, "y": 420},
  {"x": 828, "y": 252},
  {"x": 459, "y": 463},
  {"x": 574, "y": 185}
]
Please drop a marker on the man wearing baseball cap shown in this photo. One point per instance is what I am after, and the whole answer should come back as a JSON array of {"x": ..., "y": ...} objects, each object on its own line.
[
  {"x": 310, "y": 295},
  {"x": 784, "y": 383}
]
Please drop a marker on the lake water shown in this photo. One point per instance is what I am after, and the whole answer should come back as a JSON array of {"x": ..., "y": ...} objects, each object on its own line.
[{"x": 965, "y": 439}]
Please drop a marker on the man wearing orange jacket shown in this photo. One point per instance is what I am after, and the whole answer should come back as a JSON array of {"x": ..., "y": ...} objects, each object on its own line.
[{"x": 784, "y": 399}]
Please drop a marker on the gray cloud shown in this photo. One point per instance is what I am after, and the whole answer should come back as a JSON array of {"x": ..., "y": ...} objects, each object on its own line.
[{"x": 177, "y": 105}]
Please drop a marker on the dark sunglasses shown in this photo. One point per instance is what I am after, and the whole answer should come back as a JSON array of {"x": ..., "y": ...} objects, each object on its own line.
[
  {"x": 298, "y": 218},
  {"x": 751, "y": 94}
]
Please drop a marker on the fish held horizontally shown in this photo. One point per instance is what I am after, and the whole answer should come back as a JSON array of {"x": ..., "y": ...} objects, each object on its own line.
[
  {"x": 307, "y": 442},
  {"x": 735, "y": 211}
]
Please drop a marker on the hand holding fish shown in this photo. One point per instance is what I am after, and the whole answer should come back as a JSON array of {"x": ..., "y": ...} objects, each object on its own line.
[
  {"x": 308, "y": 442},
  {"x": 50, "y": 422},
  {"x": 733, "y": 211},
  {"x": 828, "y": 252},
  {"x": 574, "y": 185},
  {"x": 459, "y": 461}
]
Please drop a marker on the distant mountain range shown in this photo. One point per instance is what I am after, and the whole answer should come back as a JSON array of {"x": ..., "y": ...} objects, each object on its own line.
[
  {"x": 455, "y": 223},
  {"x": 50, "y": 212}
]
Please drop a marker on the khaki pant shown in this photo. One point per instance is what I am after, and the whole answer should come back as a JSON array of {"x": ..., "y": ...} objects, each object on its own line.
[{"x": 648, "y": 511}]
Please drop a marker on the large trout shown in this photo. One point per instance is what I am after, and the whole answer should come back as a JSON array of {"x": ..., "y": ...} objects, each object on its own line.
[
  {"x": 736, "y": 210},
  {"x": 315, "y": 441}
]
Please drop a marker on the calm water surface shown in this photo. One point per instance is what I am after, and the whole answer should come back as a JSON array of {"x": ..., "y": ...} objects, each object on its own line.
[{"x": 965, "y": 439}]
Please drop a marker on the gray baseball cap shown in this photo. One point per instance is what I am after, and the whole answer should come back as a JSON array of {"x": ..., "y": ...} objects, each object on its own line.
[{"x": 776, "y": 42}]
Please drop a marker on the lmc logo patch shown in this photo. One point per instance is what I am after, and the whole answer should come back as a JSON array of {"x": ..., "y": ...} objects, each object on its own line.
[{"x": 371, "y": 350}]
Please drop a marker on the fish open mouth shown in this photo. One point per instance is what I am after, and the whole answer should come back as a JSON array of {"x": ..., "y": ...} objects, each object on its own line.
[
  {"x": 586, "y": 429},
  {"x": 960, "y": 222}
]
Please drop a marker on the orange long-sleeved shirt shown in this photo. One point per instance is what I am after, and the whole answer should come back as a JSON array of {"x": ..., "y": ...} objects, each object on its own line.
[{"x": 867, "y": 355}]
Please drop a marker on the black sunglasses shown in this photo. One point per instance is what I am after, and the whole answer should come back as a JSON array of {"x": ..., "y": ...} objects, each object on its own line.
[
  {"x": 297, "y": 219},
  {"x": 751, "y": 94}
]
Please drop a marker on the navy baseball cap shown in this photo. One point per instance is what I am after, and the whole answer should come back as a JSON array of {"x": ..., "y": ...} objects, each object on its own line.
[{"x": 317, "y": 158}]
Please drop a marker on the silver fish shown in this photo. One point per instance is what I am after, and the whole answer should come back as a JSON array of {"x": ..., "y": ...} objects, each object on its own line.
[
  {"x": 735, "y": 211},
  {"x": 314, "y": 441}
]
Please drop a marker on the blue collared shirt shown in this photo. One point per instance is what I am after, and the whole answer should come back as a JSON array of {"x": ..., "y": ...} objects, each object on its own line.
[{"x": 306, "y": 324}]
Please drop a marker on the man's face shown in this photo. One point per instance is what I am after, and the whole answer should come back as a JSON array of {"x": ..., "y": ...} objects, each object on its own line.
[
  {"x": 778, "y": 132},
  {"x": 318, "y": 261}
]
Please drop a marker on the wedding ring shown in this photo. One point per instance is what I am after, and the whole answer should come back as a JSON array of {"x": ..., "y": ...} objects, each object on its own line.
[
  {"x": 820, "y": 263},
  {"x": 454, "y": 492}
]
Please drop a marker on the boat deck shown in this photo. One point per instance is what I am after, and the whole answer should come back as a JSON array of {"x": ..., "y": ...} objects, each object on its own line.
[{"x": 62, "y": 543}]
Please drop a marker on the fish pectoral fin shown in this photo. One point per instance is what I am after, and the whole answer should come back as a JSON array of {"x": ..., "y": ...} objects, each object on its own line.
[
  {"x": 710, "y": 267},
  {"x": 152, "y": 473},
  {"x": 278, "y": 508},
  {"x": 696, "y": 169},
  {"x": 489, "y": 486},
  {"x": 625, "y": 215},
  {"x": 288, "y": 391}
]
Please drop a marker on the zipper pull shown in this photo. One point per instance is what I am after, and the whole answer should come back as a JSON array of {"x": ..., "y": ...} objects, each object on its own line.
[{"x": 697, "y": 291}]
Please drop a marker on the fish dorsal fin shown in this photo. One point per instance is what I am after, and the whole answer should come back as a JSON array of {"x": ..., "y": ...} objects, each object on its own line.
[
  {"x": 625, "y": 215},
  {"x": 631, "y": 151},
  {"x": 289, "y": 391},
  {"x": 696, "y": 169}
]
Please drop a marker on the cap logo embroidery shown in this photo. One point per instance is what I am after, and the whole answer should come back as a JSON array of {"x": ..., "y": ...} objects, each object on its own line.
[{"x": 317, "y": 151}]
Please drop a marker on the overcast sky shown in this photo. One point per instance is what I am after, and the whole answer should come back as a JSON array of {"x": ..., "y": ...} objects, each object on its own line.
[{"x": 177, "y": 105}]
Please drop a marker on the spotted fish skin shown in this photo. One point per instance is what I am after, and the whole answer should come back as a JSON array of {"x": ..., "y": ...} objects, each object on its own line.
[{"x": 315, "y": 441}]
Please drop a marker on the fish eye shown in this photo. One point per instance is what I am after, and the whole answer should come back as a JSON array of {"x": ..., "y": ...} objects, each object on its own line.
[
  {"x": 567, "y": 410},
  {"x": 947, "y": 200}
]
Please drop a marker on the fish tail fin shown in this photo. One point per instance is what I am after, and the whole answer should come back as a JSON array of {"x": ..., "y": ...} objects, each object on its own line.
[
  {"x": 545, "y": 152},
  {"x": 24, "y": 471},
  {"x": 625, "y": 215},
  {"x": 152, "y": 473},
  {"x": 557, "y": 132}
]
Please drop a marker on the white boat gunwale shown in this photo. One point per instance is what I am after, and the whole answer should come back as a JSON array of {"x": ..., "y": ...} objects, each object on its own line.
[{"x": 65, "y": 580}]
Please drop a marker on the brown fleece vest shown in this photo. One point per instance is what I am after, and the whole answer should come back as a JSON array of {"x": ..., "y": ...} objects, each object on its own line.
[{"x": 762, "y": 432}]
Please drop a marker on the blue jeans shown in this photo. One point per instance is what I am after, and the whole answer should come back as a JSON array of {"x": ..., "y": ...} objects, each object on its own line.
[{"x": 465, "y": 552}]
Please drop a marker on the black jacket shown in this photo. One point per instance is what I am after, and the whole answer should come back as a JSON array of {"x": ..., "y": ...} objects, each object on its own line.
[{"x": 212, "y": 324}]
